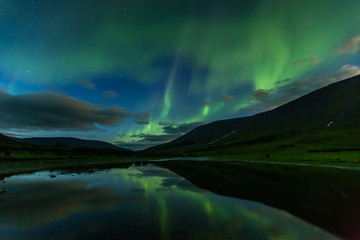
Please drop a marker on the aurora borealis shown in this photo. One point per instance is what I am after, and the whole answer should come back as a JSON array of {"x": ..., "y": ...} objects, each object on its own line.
[{"x": 139, "y": 73}]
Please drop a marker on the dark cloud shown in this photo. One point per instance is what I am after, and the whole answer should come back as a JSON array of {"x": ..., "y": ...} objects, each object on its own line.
[
  {"x": 180, "y": 128},
  {"x": 109, "y": 94},
  {"x": 261, "y": 94},
  {"x": 284, "y": 81},
  {"x": 310, "y": 60},
  {"x": 350, "y": 46},
  {"x": 50, "y": 111},
  {"x": 206, "y": 102},
  {"x": 54, "y": 88},
  {"x": 226, "y": 99},
  {"x": 171, "y": 131},
  {"x": 166, "y": 123},
  {"x": 142, "y": 118},
  {"x": 262, "y": 100},
  {"x": 87, "y": 84}
]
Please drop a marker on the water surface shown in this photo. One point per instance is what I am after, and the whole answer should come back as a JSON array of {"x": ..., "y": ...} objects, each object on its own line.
[{"x": 139, "y": 202}]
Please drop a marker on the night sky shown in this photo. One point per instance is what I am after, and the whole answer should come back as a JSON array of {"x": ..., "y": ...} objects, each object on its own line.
[{"x": 138, "y": 72}]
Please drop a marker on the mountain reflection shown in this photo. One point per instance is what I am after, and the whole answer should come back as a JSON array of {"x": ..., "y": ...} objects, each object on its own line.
[{"x": 143, "y": 202}]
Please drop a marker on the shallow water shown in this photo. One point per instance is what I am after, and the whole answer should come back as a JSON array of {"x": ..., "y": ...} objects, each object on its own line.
[{"x": 140, "y": 202}]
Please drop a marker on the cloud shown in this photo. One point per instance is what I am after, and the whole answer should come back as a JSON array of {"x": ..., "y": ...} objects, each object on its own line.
[
  {"x": 260, "y": 94},
  {"x": 349, "y": 70},
  {"x": 310, "y": 60},
  {"x": 350, "y": 46},
  {"x": 262, "y": 100},
  {"x": 109, "y": 94},
  {"x": 50, "y": 111},
  {"x": 226, "y": 99},
  {"x": 166, "y": 123},
  {"x": 142, "y": 118},
  {"x": 87, "y": 84},
  {"x": 180, "y": 129},
  {"x": 221, "y": 99},
  {"x": 171, "y": 131}
]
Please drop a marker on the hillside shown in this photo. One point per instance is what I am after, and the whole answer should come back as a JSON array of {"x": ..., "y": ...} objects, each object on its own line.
[
  {"x": 327, "y": 118},
  {"x": 70, "y": 142},
  {"x": 4, "y": 140}
]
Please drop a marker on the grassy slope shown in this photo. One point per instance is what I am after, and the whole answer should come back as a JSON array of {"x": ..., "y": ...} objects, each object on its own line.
[
  {"x": 295, "y": 131},
  {"x": 328, "y": 147},
  {"x": 26, "y": 157}
]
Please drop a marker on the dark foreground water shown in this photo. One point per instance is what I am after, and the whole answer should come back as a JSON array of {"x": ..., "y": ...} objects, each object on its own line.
[{"x": 143, "y": 202}]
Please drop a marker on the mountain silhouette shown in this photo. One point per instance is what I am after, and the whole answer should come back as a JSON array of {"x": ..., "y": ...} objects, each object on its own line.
[
  {"x": 328, "y": 115},
  {"x": 70, "y": 142}
]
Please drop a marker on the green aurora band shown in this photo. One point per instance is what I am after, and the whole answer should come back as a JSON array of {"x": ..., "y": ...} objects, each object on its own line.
[{"x": 233, "y": 47}]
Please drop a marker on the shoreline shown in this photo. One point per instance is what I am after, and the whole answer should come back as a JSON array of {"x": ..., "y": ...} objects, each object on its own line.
[{"x": 9, "y": 167}]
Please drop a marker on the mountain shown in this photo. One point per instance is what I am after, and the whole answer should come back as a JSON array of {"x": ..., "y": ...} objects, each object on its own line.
[
  {"x": 70, "y": 142},
  {"x": 4, "y": 140},
  {"x": 326, "y": 118}
]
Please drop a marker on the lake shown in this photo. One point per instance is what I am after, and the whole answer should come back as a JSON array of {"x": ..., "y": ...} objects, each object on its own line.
[{"x": 136, "y": 202}]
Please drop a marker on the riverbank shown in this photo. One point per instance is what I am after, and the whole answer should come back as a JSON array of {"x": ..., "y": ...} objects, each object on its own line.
[{"x": 10, "y": 167}]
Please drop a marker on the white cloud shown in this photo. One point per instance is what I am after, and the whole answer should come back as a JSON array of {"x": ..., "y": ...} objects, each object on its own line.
[{"x": 350, "y": 46}]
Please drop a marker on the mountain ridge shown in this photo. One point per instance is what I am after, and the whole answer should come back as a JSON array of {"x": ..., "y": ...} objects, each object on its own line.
[
  {"x": 70, "y": 142},
  {"x": 5, "y": 139},
  {"x": 333, "y": 108}
]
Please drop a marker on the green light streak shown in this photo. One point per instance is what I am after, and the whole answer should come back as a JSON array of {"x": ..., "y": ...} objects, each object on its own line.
[
  {"x": 206, "y": 110},
  {"x": 253, "y": 45},
  {"x": 168, "y": 93}
]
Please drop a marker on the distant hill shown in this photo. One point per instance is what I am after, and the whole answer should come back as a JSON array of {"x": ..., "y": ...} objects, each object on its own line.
[
  {"x": 4, "y": 140},
  {"x": 70, "y": 142},
  {"x": 330, "y": 115}
]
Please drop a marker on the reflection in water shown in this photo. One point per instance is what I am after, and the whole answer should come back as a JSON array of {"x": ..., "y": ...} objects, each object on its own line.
[{"x": 145, "y": 202}]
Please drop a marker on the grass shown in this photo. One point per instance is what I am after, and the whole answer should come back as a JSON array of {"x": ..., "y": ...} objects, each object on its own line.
[
  {"x": 11, "y": 167},
  {"x": 332, "y": 148},
  {"x": 25, "y": 162}
]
